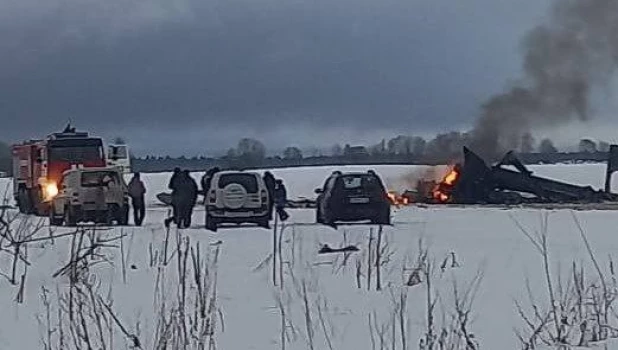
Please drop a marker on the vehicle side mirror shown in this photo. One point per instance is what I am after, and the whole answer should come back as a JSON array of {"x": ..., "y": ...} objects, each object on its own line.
[{"x": 318, "y": 191}]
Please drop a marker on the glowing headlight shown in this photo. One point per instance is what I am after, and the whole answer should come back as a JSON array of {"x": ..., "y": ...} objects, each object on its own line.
[{"x": 51, "y": 191}]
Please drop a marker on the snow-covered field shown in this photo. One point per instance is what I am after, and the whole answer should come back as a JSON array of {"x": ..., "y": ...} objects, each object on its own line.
[{"x": 488, "y": 240}]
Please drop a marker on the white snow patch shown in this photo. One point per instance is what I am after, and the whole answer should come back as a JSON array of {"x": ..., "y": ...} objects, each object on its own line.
[{"x": 484, "y": 238}]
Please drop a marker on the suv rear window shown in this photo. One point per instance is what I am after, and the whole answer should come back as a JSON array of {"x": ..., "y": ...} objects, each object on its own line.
[
  {"x": 368, "y": 183},
  {"x": 99, "y": 178},
  {"x": 352, "y": 182},
  {"x": 248, "y": 181}
]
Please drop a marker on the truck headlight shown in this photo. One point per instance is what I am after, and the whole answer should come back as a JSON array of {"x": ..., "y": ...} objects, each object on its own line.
[{"x": 51, "y": 191}]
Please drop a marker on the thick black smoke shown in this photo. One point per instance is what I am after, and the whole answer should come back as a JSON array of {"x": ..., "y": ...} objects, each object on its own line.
[{"x": 574, "y": 52}]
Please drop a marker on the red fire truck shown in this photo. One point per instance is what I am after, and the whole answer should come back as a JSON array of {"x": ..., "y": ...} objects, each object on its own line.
[{"x": 38, "y": 166}]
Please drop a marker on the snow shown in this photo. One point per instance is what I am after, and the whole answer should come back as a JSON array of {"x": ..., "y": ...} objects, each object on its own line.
[{"x": 485, "y": 239}]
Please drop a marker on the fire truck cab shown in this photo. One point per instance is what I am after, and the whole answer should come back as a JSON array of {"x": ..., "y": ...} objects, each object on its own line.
[{"x": 38, "y": 166}]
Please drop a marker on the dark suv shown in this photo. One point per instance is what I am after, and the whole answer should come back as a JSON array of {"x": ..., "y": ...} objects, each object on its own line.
[{"x": 353, "y": 197}]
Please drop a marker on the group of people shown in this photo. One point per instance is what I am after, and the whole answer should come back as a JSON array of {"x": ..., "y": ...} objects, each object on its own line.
[
  {"x": 184, "y": 196},
  {"x": 185, "y": 192}
]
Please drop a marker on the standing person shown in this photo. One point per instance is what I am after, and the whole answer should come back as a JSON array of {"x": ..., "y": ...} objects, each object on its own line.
[
  {"x": 281, "y": 199},
  {"x": 205, "y": 182},
  {"x": 174, "y": 179},
  {"x": 270, "y": 182},
  {"x": 174, "y": 186},
  {"x": 137, "y": 192},
  {"x": 207, "y": 179},
  {"x": 187, "y": 199}
]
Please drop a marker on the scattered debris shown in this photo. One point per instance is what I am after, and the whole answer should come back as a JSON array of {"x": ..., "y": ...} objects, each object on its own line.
[{"x": 326, "y": 249}]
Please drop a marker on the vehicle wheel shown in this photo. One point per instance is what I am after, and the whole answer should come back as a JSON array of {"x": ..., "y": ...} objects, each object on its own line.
[
  {"x": 53, "y": 219},
  {"x": 107, "y": 217},
  {"x": 327, "y": 219},
  {"x": 23, "y": 201},
  {"x": 56, "y": 221},
  {"x": 102, "y": 217},
  {"x": 384, "y": 218},
  {"x": 329, "y": 222},
  {"x": 39, "y": 207},
  {"x": 264, "y": 223},
  {"x": 122, "y": 216},
  {"x": 70, "y": 218},
  {"x": 211, "y": 224}
]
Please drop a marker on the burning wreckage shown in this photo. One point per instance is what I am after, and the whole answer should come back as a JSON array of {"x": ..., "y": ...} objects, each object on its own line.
[
  {"x": 474, "y": 182},
  {"x": 508, "y": 182}
]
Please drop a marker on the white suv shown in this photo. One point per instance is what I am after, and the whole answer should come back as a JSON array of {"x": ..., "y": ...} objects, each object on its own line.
[{"x": 237, "y": 197}]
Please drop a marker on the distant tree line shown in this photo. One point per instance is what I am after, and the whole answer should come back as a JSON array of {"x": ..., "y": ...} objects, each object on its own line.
[
  {"x": 443, "y": 149},
  {"x": 402, "y": 149}
]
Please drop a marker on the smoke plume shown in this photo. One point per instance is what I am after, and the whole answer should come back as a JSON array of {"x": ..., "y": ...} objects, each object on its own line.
[
  {"x": 410, "y": 180},
  {"x": 565, "y": 58}
]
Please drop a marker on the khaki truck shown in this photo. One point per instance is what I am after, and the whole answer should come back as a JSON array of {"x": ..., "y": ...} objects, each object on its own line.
[{"x": 98, "y": 195}]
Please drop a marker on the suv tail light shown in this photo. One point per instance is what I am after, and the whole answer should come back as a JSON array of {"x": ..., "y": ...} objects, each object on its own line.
[
  {"x": 213, "y": 196},
  {"x": 264, "y": 196}
]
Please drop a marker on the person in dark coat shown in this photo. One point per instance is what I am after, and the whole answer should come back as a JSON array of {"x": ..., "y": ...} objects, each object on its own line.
[
  {"x": 187, "y": 197},
  {"x": 137, "y": 191},
  {"x": 174, "y": 179},
  {"x": 205, "y": 182},
  {"x": 281, "y": 199},
  {"x": 174, "y": 186},
  {"x": 270, "y": 182},
  {"x": 207, "y": 179}
]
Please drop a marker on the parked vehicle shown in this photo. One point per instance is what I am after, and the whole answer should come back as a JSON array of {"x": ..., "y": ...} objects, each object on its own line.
[
  {"x": 39, "y": 164},
  {"x": 237, "y": 197},
  {"x": 97, "y": 195},
  {"x": 353, "y": 197}
]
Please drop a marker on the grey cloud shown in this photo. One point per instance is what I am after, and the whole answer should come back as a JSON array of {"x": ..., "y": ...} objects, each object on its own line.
[{"x": 233, "y": 66}]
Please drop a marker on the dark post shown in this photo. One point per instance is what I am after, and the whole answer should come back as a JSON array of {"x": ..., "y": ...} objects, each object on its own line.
[{"x": 612, "y": 166}]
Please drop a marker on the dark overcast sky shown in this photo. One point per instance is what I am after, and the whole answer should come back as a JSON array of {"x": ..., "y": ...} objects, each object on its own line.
[{"x": 193, "y": 76}]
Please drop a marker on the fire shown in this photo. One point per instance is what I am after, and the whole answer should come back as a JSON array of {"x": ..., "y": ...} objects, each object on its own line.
[
  {"x": 396, "y": 199},
  {"x": 442, "y": 190},
  {"x": 50, "y": 191},
  {"x": 392, "y": 196},
  {"x": 451, "y": 177}
]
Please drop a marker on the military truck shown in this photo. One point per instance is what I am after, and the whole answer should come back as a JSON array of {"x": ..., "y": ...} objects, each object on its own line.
[{"x": 98, "y": 195}]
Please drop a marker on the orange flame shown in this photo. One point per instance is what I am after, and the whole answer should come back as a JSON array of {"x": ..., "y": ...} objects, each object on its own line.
[
  {"x": 392, "y": 197},
  {"x": 397, "y": 200},
  {"x": 451, "y": 177},
  {"x": 447, "y": 183}
]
